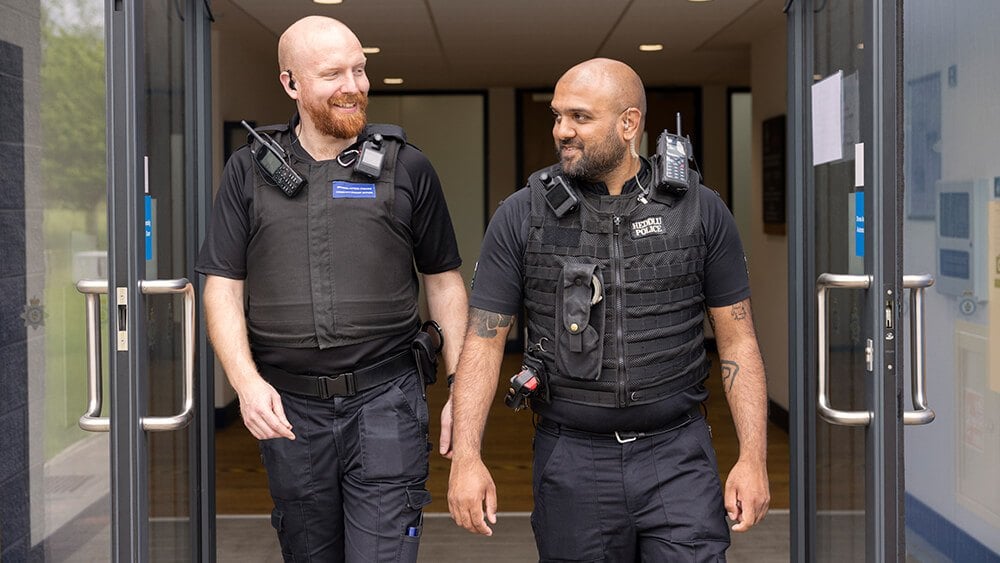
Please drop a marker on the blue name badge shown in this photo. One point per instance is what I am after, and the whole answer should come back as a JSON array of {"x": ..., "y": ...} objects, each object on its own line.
[{"x": 353, "y": 191}]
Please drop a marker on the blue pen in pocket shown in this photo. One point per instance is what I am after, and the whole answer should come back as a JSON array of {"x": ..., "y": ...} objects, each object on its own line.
[{"x": 413, "y": 531}]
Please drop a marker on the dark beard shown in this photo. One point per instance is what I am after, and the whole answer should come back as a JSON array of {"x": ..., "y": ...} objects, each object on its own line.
[
  {"x": 340, "y": 126},
  {"x": 593, "y": 165}
]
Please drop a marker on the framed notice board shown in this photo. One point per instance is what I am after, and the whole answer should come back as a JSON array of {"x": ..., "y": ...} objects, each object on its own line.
[{"x": 774, "y": 177}]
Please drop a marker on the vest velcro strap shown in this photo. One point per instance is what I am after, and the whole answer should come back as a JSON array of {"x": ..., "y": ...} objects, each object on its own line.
[
  {"x": 650, "y": 245},
  {"x": 665, "y": 271},
  {"x": 604, "y": 227},
  {"x": 541, "y": 297},
  {"x": 342, "y": 384},
  {"x": 667, "y": 388},
  {"x": 543, "y": 273},
  {"x": 663, "y": 320},
  {"x": 584, "y": 396},
  {"x": 667, "y": 343},
  {"x": 538, "y": 247},
  {"x": 662, "y": 297}
]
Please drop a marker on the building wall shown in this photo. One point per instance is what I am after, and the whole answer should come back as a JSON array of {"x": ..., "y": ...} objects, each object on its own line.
[{"x": 767, "y": 255}]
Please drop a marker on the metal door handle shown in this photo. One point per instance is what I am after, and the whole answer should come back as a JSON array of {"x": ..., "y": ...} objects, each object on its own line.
[
  {"x": 834, "y": 416},
  {"x": 91, "y": 419},
  {"x": 922, "y": 414},
  {"x": 181, "y": 419}
]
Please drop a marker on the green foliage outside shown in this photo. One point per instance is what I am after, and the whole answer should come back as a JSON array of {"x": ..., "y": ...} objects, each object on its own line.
[{"x": 74, "y": 180}]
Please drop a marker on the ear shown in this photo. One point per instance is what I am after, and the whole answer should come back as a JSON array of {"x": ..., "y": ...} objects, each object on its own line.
[
  {"x": 630, "y": 123},
  {"x": 289, "y": 84}
]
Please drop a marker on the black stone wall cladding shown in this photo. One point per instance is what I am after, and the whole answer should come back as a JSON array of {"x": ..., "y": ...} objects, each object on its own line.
[{"x": 14, "y": 502}]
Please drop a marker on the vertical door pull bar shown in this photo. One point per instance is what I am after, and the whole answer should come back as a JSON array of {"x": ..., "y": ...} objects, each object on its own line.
[
  {"x": 181, "y": 419},
  {"x": 922, "y": 414},
  {"x": 823, "y": 284},
  {"x": 92, "y": 421}
]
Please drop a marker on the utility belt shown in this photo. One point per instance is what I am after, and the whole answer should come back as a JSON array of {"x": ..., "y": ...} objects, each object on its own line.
[
  {"x": 623, "y": 436},
  {"x": 422, "y": 356},
  {"x": 345, "y": 384}
]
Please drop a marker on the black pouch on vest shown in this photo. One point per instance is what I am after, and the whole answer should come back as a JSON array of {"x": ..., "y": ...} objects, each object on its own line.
[{"x": 580, "y": 322}]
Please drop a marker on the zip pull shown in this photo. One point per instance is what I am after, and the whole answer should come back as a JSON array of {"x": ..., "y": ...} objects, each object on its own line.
[{"x": 618, "y": 222}]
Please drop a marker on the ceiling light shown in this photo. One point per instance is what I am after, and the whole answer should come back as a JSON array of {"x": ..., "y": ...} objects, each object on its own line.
[
  {"x": 370, "y": 50},
  {"x": 392, "y": 81},
  {"x": 699, "y": 1},
  {"x": 650, "y": 47},
  {"x": 328, "y": 1}
]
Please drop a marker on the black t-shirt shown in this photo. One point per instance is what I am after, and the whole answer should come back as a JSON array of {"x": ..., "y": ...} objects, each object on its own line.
[
  {"x": 499, "y": 281},
  {"x": 419, "y": 205}
]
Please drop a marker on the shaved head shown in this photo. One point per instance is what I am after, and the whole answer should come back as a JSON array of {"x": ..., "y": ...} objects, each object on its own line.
[
  {"x": 307, "y": 38},
  {"x": 610, "y": 81},
  {"x": 322, "y": 67}
]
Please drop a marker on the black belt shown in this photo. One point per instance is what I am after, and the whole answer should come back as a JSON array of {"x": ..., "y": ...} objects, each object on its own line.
[
  {"x": 624, "y": 437},
  {"x": 343, "y": 384}
]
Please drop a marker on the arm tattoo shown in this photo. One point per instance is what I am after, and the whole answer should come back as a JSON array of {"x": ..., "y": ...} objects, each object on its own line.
[
  {"x": 730, "y": 370},
  {"x": 487, "y": 323},
  {"x": 739, "y": 311}
]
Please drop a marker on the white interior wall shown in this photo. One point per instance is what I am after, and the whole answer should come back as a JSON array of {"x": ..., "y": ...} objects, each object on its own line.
[{"x": 767, "y": 255}]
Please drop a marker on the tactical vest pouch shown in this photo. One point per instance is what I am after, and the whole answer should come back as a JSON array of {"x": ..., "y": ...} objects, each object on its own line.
[
  {"x": 580, "y": 322},
  {"x": 425, "y": 347}
]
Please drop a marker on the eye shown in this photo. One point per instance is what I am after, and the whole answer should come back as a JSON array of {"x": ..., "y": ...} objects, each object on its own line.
[
  {"x": 579, "y": 117},
  {"x": 359, "y": 71}
]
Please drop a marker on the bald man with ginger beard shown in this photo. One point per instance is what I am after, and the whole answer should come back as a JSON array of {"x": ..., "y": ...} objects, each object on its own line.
[
  {"x": 615, "y": 285},
  {"x": 311, "y": 306}
]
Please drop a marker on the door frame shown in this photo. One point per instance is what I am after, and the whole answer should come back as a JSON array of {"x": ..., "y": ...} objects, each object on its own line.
[
  {"x": 881, "y": 108},
  {"x": 126, "y": 148}
]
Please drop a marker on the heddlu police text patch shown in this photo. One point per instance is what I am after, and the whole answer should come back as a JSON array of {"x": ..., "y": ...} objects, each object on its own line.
[
  {"x": 646, "y": 227},
  {"x": 352, "y": 190}
]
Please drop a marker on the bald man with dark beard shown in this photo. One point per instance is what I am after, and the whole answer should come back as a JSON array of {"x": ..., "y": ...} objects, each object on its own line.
[
  {"x": 615, "y": 287},
  {"x": 311, "y": 303}
]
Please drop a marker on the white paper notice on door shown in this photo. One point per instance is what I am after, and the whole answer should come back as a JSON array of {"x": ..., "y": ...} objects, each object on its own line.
[{"x": 827, "y": 119}]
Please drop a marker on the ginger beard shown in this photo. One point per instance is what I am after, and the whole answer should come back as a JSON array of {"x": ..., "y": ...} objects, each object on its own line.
[
  {"x": 331, "y": 121},
  {"x": 591, "y": 165}
]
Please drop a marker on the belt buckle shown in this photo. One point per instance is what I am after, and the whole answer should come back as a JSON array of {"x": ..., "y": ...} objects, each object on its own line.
[
  {"x": 340, "y": 385},
  {"x": 618, "y": 436}
]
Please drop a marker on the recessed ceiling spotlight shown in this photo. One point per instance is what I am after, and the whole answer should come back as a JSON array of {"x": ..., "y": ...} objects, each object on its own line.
[
  {"x": 370, "y": 50},
  {"x": 650, "y": 47},
  {"x": 392, "y": 81},
  {"x": 699, "y": 1},
  {"x": 328, "y": 1}
]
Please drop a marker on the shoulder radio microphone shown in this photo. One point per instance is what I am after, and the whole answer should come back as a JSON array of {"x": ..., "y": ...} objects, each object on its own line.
[{"x": 272, "y": 161}]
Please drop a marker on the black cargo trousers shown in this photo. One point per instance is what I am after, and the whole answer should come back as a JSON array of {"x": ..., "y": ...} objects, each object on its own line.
[{"x": 351, "y": 486}]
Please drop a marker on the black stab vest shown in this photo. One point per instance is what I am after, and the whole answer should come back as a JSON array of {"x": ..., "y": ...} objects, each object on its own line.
[
  {"x": 643, "y": 341},
  {"x": 325, "y": 271}
]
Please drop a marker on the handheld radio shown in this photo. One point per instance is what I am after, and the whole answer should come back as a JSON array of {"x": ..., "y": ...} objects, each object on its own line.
[
  {"x": 272, "y": 161},
  {"x": 670, "y": 163}
]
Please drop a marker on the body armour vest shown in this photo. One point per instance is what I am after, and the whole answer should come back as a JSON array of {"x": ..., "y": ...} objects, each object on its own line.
[
  {"x": 331, "y": 266},
  {"x": 614, "y": 300}
]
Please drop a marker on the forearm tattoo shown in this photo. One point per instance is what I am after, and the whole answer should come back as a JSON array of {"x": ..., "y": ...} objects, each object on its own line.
[
  {"x": 739, "y": 311},
  {"x": 730, "y": 370},
  {"x": 486, "y": 323}
]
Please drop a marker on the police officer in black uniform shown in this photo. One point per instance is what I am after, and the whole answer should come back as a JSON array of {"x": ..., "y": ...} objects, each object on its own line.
[
  {"x": 311, "y": 302},
  {"x": 615, "y": 276}
]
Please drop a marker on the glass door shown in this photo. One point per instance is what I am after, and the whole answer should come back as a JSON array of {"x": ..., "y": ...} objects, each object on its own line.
[
  {"x": 848, "y": 401},
  {"x": 102, "y": 457},
  {"x": 951, "y": 228}
]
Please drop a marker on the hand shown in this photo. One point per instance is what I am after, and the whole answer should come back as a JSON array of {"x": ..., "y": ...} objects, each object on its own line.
[
  {"x": 747, "y": 494},
  {"x": 470, "y": 487},
  {"x": 445, "y": 441},
  {"x": 260, "y": 407}
]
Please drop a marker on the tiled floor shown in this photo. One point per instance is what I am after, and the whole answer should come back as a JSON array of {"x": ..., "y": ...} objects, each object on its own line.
[{"x": 251, "y": 540}]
